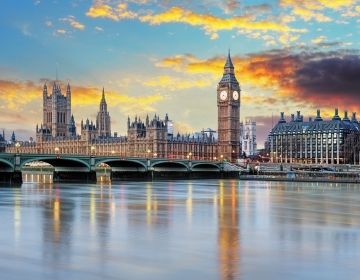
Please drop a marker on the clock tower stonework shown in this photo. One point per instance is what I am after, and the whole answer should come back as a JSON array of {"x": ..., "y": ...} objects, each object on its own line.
[{"x": 228, "y": 102}]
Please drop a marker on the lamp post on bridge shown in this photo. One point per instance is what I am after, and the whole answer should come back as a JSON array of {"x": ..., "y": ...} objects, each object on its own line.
[
  {"x": 189, "y": 158},
  {"x": 92, "y": 153},
  {"x": 57, "y": 152},
  {"x": 148, "y": 158},
  {"x": 17, "y": 156},
  {"x": 17, "y": 146},
  {"x": 16, "y": 175}
]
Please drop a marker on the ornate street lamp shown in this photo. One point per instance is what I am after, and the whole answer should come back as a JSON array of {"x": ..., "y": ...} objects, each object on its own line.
[
  {"x": 57, "y": 152},
  {"x": 17, "y": 145}
]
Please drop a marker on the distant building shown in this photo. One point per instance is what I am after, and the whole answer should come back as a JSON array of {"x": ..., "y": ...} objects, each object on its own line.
[
  {"x": 2, "y": 141},
  {"x": 316, "y": 141},
  {"x": 248, "y": 137},
  {"x": 13, "y": 137}
]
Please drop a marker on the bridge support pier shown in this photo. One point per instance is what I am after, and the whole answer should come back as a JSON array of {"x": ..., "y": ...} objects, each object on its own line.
[
  {"x": 88, "y": 177},
  {"x": 12, "y": 178},
  {"x": 16, "y": 178}
]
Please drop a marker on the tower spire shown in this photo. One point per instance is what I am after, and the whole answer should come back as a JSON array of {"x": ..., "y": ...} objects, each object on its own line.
[
  {"x": 103, "y": 95},
  {"x": 229, "y": 63},
  {"x": 56, "y": 76}
]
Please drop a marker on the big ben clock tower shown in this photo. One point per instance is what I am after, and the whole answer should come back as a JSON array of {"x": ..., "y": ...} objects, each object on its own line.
[{"x": 228, "y": 101}]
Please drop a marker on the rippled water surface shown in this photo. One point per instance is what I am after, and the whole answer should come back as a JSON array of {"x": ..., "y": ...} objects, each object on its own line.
[{"x": 206, "y": 229}]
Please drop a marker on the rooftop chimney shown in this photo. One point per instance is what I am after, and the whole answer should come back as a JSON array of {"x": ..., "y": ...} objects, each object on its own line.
[
  {"x": 353, "y": 119},
  {"x": 336, "y": 116},
  {"x": 318, "y": 117},
  {"x": 282, "y": 118}
]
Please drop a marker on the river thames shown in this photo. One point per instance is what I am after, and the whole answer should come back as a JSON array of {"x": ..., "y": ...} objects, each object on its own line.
[{"x": 205, "y": 229}]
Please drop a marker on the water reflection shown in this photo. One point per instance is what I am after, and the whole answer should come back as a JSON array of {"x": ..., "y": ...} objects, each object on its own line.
[
  {"x": 40, "y": 177},
  {"x": 58, "y": 217},
  {"x": 228, "y": 231},
  {"x": 184, "y": 229}
]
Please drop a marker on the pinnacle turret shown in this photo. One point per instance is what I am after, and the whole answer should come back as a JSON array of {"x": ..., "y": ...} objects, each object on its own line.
[{"x": 68, "y": 89}]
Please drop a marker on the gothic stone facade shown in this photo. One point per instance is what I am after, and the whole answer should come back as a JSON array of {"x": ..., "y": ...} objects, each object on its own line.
[{"x": 150, "y": 138}]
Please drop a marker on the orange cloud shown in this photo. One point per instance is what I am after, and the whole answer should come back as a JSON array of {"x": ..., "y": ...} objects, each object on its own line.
[
  {"x": 102, "y": 10},
  {"x": 313, "y": 78},
  {"x": 212, "y": 24},
  {"x": 15, "y": 95},
  {"x": 209, "y": 23},
  {"x": 254, "y": 70}
]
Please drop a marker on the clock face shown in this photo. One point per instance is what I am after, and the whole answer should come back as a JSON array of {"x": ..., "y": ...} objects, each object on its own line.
[
  {"x": 235, "y": 95},
  {"x": 223, "y": 95}
]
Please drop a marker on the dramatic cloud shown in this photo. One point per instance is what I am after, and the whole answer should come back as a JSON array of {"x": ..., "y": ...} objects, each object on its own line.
[
  {"x": 332, "y": 81},
  {"x": 211, "y": 24},
  {"x": 102, "y": 10},
  {"x": 309, "y": 77},
  {"x": 16, "y": 94}
]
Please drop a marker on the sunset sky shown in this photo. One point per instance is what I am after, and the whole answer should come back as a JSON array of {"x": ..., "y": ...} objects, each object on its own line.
[{"x": 167, "y": 57}]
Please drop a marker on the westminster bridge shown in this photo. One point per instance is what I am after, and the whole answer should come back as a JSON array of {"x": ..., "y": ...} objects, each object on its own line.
[{"x": 85, "y": 168}]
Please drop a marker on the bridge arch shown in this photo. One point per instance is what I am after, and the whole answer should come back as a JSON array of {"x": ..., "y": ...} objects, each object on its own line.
[
  {"x": 170, "y": 165},
  {"x": 205, "y": 166},
  {"x": 124, "y": 164},
  {"x": 5, "y": 164},
  {"x": 59, "y": 162}
]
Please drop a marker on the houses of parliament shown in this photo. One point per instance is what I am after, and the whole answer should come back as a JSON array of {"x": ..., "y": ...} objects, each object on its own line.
[{"x": 152, "y": 137}]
